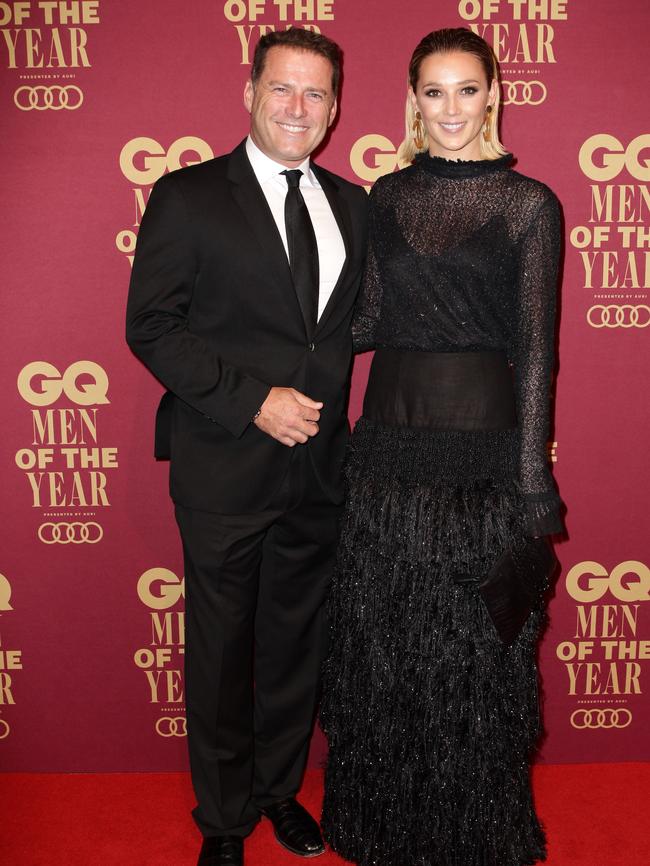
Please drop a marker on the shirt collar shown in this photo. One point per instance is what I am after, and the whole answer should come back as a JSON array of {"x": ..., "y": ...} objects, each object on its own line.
[{"x": 267, "y": 169}]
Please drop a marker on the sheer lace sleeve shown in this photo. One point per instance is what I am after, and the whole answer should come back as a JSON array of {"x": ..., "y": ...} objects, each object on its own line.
[
  {"x": 533, "y": 358},
  {"x": 368, "y": 308}
]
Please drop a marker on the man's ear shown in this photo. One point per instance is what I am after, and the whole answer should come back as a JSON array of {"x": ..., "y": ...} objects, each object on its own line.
[
  {"x": 249, "y": 92},
  {"x": 333, "y": 111}
]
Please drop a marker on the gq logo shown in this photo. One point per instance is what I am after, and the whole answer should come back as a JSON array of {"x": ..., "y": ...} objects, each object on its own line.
[
  {"x": 84, "y": 383},
  {"x": 5, "y": 593},
  {"x": 589, "y": 581},
  {"x": 615, "y": 157},
  {"x": 144, "y": 160},
  {"x": 384, "y": 157},
  {"x": 159, "y": 588}
]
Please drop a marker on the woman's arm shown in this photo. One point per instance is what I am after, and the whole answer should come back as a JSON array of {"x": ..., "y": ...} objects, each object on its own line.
[{"x": 534, "y": 360}]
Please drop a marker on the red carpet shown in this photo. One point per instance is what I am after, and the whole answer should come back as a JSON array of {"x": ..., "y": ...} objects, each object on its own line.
[{"x": 595, "y": 815}]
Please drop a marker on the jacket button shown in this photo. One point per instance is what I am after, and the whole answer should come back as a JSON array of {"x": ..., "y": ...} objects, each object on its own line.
[{"x": 311, "y": 347}]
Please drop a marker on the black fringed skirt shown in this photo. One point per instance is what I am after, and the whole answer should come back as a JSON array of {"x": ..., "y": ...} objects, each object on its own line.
[{"x": 430, "y": 720}]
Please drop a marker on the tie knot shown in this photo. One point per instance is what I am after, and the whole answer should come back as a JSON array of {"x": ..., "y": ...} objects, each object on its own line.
[{"x": 293, "y": 176}]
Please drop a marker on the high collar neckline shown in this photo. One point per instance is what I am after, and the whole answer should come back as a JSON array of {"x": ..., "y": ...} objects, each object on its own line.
[{"x": 452, "y": 168}]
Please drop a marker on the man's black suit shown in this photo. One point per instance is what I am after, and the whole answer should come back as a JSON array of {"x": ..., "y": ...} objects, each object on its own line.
[{"x": 213, "y": 313}]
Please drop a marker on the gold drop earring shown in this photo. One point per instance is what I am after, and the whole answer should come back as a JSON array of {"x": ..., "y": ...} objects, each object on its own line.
[
  {"x": 487, "y": 128},
  {"x": 418, "y": 131}
]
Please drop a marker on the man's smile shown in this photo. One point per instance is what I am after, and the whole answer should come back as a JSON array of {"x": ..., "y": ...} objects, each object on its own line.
[{"x": 289, "y": 127}]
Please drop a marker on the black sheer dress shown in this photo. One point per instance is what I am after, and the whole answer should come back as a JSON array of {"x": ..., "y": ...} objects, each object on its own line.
[{"x": 431, "y": 721}]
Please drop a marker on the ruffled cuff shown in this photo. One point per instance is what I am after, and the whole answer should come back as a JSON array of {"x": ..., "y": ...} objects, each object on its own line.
[{"x": 543, "y": 514}]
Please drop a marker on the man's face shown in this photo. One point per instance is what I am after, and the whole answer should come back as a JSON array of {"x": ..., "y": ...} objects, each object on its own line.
[{"x": 291, "y": 104}]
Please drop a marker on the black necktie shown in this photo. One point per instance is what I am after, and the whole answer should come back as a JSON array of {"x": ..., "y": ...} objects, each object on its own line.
[{"x": 303, "y": 251}]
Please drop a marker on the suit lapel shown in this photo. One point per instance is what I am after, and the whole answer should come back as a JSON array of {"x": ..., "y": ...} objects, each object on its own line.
[
  {"x": 248, "y": 195},
  {"x": 342, "y": 216}
]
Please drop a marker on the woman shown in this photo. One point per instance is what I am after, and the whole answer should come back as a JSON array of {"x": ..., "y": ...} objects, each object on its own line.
[{"x": 430, "y": 718}]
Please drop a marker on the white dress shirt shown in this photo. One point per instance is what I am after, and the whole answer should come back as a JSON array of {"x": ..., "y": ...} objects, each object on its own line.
[{"x": 331, "y": 250}]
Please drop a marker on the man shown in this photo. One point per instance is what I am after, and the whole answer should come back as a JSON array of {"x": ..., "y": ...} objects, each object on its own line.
[{"x": 244, "y": 278}]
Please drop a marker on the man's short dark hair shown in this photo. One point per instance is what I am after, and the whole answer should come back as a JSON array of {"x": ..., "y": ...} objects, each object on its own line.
[{"x": 303, "y": 40}]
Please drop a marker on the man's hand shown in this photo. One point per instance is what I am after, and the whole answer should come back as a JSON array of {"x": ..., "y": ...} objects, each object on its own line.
[{"x": 289, "y": 416}]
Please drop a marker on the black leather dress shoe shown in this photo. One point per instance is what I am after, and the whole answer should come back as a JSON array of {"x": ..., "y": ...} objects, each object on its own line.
[
  {"x": 222, "y": 851},
  {"x": 295, "y": 829}
]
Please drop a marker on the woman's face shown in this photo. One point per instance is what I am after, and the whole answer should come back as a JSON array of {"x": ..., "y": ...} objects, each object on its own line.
[{"x": 452, "y": 96}]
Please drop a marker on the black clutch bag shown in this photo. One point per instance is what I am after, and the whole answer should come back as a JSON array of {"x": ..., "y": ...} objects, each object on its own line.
[{"x": 515, "y": 584}]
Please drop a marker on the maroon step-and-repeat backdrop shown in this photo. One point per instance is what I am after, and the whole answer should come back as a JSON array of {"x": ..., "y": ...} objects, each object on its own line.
[{"x": 98, "y": 98}]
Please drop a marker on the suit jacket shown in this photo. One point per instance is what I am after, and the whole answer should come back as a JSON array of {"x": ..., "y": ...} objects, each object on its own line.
[{"x": 213, "y": 313}]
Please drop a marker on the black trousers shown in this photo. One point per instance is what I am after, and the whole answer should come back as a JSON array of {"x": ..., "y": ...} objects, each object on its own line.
[{"x": 255, "y": 640}]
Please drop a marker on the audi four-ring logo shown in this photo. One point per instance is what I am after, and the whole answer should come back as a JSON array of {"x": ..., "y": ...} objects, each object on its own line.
[
  {"x": 172, "y": 727},
  {"x": 619, "y": 316},
  {"x": 70, "y": 533},
  {"x": 606, "y": 718},
  {"x": 523, "y": 92},
  {"x": 56, "y": 97},
  {"x": 4, "y": 729}
]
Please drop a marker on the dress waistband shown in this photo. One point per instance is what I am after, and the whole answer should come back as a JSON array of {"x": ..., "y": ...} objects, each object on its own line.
[{"x": 441, "y": 390}]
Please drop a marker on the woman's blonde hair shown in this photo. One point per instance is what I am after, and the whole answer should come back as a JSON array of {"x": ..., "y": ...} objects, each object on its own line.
[{"x": 442, "y": 42}]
